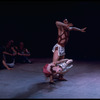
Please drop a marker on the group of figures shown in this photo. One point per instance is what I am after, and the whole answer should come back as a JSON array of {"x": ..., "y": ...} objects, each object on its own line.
[
  {"x": 60, "y": 65},
  {"x": 10, "y": 54}
]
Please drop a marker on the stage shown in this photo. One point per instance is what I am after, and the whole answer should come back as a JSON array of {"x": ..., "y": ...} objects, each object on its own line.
[{"x": 26, "y": 81}]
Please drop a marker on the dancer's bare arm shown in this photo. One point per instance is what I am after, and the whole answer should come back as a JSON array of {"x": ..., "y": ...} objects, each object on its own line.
[
  {"x": 60, "y": 61},
  {"x": 7, "y": 53},
  {"x": 58, "y": 24},
  {"x": 14, "y": 51},
  {"x": 4, "y": 63},
  {"x": 77, "y": 29}
]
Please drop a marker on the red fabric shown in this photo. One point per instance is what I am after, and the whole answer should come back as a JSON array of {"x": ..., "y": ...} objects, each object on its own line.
[{"x": 45, "y": 71}]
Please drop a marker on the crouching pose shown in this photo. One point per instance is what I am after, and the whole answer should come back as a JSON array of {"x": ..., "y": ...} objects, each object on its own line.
[{"x": 56, "y": 70}]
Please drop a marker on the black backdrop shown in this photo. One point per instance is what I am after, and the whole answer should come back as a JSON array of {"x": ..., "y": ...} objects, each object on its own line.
[{"x": 33, "y": 22}]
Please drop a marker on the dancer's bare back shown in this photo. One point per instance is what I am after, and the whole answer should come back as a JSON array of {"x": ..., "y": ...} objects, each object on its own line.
[{"x": 63, "y": 36}]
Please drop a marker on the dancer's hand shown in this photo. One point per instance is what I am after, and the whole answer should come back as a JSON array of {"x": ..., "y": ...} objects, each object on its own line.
[
  {"x": 54, "y": 63},
  {"x": 9, "y": 68},
  {"x": 83, "y": 29}
]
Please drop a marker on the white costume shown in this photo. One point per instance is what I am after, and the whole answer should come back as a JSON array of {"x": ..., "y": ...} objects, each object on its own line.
[
  {"x": 65, "y": 66},
  {"x": 61, "y": 50}
]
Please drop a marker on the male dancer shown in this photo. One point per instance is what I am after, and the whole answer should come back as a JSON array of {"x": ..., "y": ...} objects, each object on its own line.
[{"x": 63, "y": 35}]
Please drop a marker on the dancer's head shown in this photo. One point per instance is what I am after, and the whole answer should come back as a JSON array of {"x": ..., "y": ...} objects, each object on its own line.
[
  {"x": 10, "y": 43},
  {"x": 57, "y": 69},
  {"x": 65, "y": 21}
]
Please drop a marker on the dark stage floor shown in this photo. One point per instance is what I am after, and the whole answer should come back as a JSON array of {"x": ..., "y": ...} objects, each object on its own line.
[{"x": 27, "y": 81}]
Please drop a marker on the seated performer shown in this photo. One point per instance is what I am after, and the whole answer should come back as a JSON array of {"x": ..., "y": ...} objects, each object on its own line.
[
  {"x": 57, "y": 69},
  {"x": 3, "y": 64},
  {"x": 23, "y": 53},
  {"x": 10, "y": 53}
]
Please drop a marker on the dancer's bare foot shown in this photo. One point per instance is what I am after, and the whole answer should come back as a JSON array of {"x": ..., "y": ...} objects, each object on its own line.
[
  {"x": 62, "y": 79},
  {"x": 52, "y": 82}
]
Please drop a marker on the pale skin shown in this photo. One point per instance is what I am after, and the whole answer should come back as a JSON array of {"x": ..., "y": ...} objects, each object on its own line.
[
  {"x": 4, "y": 63},
  {"x": 7, "y": 53},
  {"x": 63, "y": 36}
]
